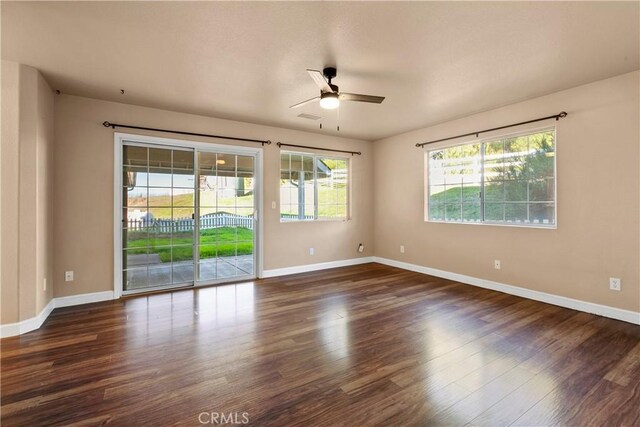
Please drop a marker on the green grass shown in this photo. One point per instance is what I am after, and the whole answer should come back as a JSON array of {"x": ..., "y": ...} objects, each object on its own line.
[
  {"x": 331, "y": 202},
  {"x": 185, "y": 202},
  {"x": 446, "y": 204},
  {"x": 160, "y": 205},
  {"x": 215, "y": 242}
]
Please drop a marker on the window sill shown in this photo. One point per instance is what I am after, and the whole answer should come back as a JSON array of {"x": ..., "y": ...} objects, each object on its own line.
[{"x": 316, "y": 220}]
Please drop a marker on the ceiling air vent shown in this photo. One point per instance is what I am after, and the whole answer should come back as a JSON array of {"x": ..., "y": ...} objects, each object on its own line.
[{"x": 309, "y": 116}]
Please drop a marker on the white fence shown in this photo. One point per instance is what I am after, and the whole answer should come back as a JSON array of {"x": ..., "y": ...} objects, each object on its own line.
[
  {"x": 214, "y": 220},
  {"x": 294, "y": 217}
]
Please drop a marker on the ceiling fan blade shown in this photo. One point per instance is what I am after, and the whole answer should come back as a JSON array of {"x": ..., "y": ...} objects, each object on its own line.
[
  {"x": 318, "y": 77},
  {"x": 361, "y": 98},
  {"x": 300, "y": 104}
]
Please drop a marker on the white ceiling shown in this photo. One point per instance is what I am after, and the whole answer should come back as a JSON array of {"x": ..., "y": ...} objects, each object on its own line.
[{"x": 246, "y": 61}]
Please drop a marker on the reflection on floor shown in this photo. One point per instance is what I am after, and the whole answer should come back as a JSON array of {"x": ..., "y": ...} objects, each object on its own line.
[
  {"x": 148, "y": 271},
  {"x": 353, "y": 346}
]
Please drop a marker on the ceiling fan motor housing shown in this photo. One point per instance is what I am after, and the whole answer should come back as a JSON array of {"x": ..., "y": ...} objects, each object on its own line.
[{"x": 330, "y": 72}]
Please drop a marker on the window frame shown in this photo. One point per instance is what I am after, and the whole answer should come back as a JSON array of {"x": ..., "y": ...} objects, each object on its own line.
[
  {"x": 482, "y": 142},
  {"x": 316, "y": 217}
]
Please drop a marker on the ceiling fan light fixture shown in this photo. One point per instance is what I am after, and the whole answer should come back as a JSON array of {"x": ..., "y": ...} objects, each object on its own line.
[{"x": 329, "y": 100}]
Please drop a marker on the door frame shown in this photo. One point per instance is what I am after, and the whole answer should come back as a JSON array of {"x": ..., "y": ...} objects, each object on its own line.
[{"x": 119, "y": 138}]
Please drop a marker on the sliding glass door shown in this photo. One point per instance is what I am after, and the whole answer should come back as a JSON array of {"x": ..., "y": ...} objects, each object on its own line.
[
  {"x": 187, "y": 217},
  {"x": 226, "y": 226},
  {"x": 158, "y": 210}
]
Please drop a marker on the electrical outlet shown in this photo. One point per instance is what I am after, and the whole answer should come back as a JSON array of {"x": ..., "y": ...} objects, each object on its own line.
[
  {"x": 44, "y": 284},
  {"x": 360, "y": 248},
  {"x": 312, "y": 251},
  {"x": 497, "y": 264},
  {"x": 68, "y": 276},
  {"x": 615, "y": 284},
  {"x": 401, "y": 249},
  {"x": 273, "y": 205}
]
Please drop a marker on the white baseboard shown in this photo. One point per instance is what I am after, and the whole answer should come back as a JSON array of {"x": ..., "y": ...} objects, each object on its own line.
[
  {"x": 28, "y": 325},
  {"x": 83, "y": 299},
  {"x": 314, "y": 267},
  {"x": 588, "y": 307}
]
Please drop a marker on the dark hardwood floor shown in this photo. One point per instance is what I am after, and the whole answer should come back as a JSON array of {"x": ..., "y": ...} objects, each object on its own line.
[{"x": 352, "y": 346}]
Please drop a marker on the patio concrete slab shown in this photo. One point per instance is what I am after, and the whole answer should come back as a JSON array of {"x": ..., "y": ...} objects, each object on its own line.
[{"x": 147, "y": 271}]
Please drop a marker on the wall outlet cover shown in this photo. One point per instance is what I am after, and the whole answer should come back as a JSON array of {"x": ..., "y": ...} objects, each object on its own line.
[{"x": 615, "y": 284}]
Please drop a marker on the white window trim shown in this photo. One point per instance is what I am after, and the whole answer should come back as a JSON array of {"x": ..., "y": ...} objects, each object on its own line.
[
  {"x": 493, "y": 137},
  {"x": 315, "y": 188}
]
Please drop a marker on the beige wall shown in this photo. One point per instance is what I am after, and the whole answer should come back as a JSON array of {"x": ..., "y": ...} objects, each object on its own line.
[
  {"x": 598, "y": 205},
  {"x": 27, "y": 139},
  {"x": 83, "y": 209},
  {"x": 27, "y": 200},
  {"x": 44, "y": 252},
  {"x": 10, "y": 101}
]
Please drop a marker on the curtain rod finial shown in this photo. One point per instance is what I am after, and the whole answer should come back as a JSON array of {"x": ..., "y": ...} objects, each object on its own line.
[{"x": 106, "y": 124}]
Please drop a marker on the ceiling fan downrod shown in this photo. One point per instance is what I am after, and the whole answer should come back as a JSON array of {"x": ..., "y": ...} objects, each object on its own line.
[{"x": 330, "y": 73}]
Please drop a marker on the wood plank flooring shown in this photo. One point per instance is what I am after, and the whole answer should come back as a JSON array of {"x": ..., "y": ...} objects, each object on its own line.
[{"x": 353, "y": 346}]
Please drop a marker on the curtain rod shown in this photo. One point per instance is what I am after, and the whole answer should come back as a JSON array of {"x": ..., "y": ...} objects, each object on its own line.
[
  {"x": 280, "y": 144},
  {"x": 558, "y": 116},
  {"x": 114, "y": 125}
]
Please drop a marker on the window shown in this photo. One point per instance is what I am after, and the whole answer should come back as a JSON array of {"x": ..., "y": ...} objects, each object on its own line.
[
  {"x": 496, "y": 181},
  {"x": 313, "y": 187}
]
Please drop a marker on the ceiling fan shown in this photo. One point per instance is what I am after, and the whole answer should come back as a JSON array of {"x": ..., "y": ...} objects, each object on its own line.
[{"x": 329, "y": 96}]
